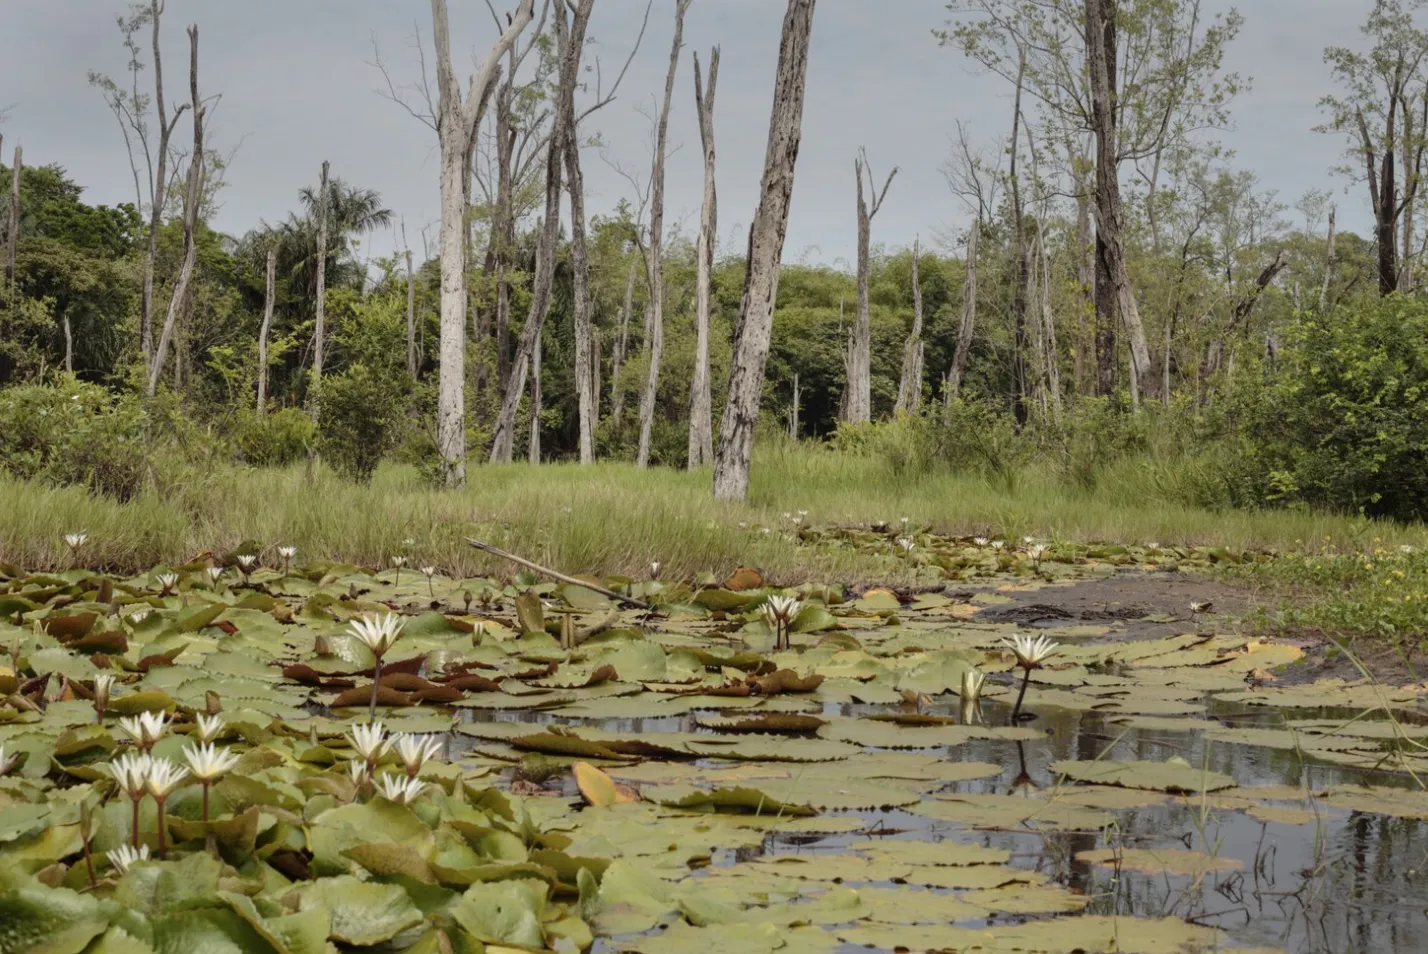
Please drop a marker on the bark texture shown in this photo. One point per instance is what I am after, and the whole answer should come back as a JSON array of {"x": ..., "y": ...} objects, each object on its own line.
[
  {"x": 859, "y": 407},
  {"x": 585, "y": 354},
  {"x": 766, "y": 237},
  {"x": 909, "y": 389},
  {"x": 266, "y": 329},
  {"x": 12, "y": 239},
  {"x": 701, "y": 401},
  {"x": 319, "y": 334},
  {"x": 969, "y": 319}
]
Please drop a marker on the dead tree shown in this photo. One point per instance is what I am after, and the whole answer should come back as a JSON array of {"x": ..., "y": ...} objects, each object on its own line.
[
  {"x": 860, "y": 369},
  {"x": 192, "y": 198},
  {"x": 458, "y": 116},
  {"x": 969, "y": 319},
  {"x": 619, "y": 349},
  {"x": 1239, "y": 317},
  {"x": 160, "y": 184},
  {"x": 909, "y": 389},
  {"x": 570, "y": 39},
  {"x": 654, "y": 253},
  {"x": 1114, "y": 292},
  {"x": 1328, "y": 263},
  {"x": 319, "y": 334},
  {"x": 533, "y": 443},
  {"x": 701, "y": 401},
  {"x": 1048, "y": 322},
  {"x": 12, "y": 239},
  {"x": 766, "y": 236},
  {"x": 266, "y": 328},
  {"x": 585, "y": 353},
  {"x": 411, "y": 317}
]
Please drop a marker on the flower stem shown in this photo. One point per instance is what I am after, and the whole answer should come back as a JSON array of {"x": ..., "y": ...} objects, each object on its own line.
[
  {"x": 205, "y": 799},
  {"x": 1016, "y": 710},
  {"x": 134, "y": 837},
  {"x": 163, "y": 842},
  {"x": 376, "y": 683}
]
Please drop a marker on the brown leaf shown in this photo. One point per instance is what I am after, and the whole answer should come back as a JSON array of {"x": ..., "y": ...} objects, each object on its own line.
[
  {"x": 744, "y": 578},
  {"x": 473, "y": 684},
  {"x": 362, "y": 695},
  {"x": 785, "y": 680}
]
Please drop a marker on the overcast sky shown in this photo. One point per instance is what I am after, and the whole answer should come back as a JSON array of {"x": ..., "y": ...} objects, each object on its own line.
[{"x": 298, "y": 86}]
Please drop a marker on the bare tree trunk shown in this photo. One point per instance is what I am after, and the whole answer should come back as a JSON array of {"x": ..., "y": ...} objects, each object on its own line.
[
  {"x": 909, "y": 390},
  {"x": 12, "y": 240},
  {"x": 411, "y": 318},
  {"x": 585, "y": 353},
  {"x": 969, "y": 318},
  {"x": 766, "y": 236},
  {"x": 654, "y": 255},
  {"x": 1110, "y": 259},
  {"x": 68, "y": 347},
  {"x": 160, "y": 172},
  {"x": 793, "y": 412},
  {"x": 533, "y": 444},
  {"x": 620, "y": 348},
  {"x": 319, "y": 334},
  {"x": 502, "y": 231},
  {"x": 1048, "y": 324},
  {"x": 179, "y": 297},
  {"x": 596, "y": 383},
  {"x": 570, "y": 39},
  {"x": 268, "y": 294},
  {"x": 860, "y": 368},
  {"x": 1023, "y": 265},
  {"x": 701, "y": 400},
  {"x": 1085, "y": 275},
  {"x": 457, "y": 119},
  {"x": 1328, "y": 262}
]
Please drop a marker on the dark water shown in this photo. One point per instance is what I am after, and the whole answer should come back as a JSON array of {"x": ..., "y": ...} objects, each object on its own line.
[{"x": 1350, "y": 883}]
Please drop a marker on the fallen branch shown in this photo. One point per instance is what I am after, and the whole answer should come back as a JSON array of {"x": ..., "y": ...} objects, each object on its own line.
[{"x": 497, "y": 551}]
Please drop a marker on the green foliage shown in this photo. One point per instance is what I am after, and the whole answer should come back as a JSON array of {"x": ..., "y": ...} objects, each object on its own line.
[
  {"x": 361, "y": 410},
  {"x": 75, "y": 434},
  {"x": 276, "y": 439},
  {"x": 1342, "y": 421}
]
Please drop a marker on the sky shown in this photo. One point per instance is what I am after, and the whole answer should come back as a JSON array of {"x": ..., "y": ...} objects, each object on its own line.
[{"x": 299, "y": 85}]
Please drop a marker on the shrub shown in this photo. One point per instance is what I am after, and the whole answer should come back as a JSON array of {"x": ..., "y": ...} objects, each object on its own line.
[
  {"x": 276, "y": 439},
  {"x": 73, "y": 433},
  {"x": 1343, "y": 420},
  {"x": 361, "y": 412}
]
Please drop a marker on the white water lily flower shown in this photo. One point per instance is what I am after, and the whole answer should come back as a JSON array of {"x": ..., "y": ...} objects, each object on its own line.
[
  {"x": 399, "y": 561},
  {"x": 370, "y": 741},
  {"x": 287, "y": 553},
  {"x": 8, "y": 762},
  {"x": 907, "y": 544},
  {"x": 1152, "y": 546},
  {"x": 1036, "y": 551},
  {"x": 75, "y": 540},
  {"x": 654, "y": 569},
  {"x": 1030, "y": 650},
  {"x": 207, "y": 762},
  {"x": 428, "y": 571},
  {"x": 400, "y": 789},
  {"x": 1201, "y": 606},
  {"x": 416, "y": 750},
  {"x": 972, "y": 681},
  {"x": 138, "y": 616},
  {"x": 214, "y": 573},
  {"x": 165, "y": 775},
  {"x": 210, "y": 727},
  {"x": 1028, "y": 540},
  {"x": 125, "y": 855},
  {"x": 131, "y": 771},
  {"x": 980, "y": 541},
  {"x": 168, "y": 580},
  {"x": 998, "y": 544},
  {"x": 377, "y": 633},
  {"x": 357, "y": 771},
  {"x": 246, "y": 561},
  {"x": 144, "y": 729},
  {"x": 782, "y": 609}
]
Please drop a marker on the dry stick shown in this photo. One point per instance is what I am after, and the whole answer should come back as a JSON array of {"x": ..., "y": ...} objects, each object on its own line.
[{"x": 497, "y": 551}]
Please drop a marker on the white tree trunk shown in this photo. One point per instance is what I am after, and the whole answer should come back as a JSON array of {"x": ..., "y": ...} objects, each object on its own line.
[
  {"x": 12, "y": 238},
  {"x": 411, "y": 319},
  {"x": 190, "y": 220},
  {"x": 319, "y": 334},
  {"x": 457, "y": 118},
  {"x": 654, "y": 256},
  {"x": 766, "y": 236},
  {"x": 701, "y": 401},
  {"x": 1048, "y": 325},
  {"x": 533, "y": 444},
  {"x": 1328, "y": 262},
  {"x": 621, "y": 346},
  {"x": 969, "y": 318},
  {"x": 860, "y": 366},
  {"x": 909, "y": 391},
  {"x": 585, "y": 354},
  {"x": 268, "y": 289},
  {"x": 160, "y": 187}
]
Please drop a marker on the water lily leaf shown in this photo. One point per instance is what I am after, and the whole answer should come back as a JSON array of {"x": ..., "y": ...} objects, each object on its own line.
[
  {"x": 36, "y": 918},
  {"x": 877, "y": 600},
  {"x": 598, "y": 788},
  {"x": 69, "y": 627},
  {"x": 503, "y": 912},
  {"x": 362, "y": 912},
  {"x": 1009, "y": 811},
  {"x": 1175, "y": 861},
  {"x": 917, "y": 906},
  {"x": 744, "y": 578},
  {"x": 529, "y": 613},
  {"x": 746, "y": 801},
  {"x": 946, "y": 853},
  {"x": 889, "y": 735},
  {"x": 1156, "y": 776},
  {"x": 387, "y": 859},
  {"x": 776, "y": 723}
]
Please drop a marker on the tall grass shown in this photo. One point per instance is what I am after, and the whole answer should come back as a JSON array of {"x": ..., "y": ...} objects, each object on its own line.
[{"x": 612, "y": 519}]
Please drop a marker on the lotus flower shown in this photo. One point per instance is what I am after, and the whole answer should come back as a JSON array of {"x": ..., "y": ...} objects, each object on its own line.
[
  {"x": 125, "y": 855},
  {"x": 168, "y": 581},
  {"x": 1031, "y": 652},
  {"x": 247, "y": 563},
  {"x": 144, "y": 729},
  {"x": 416, "y": 750},
  {"x": 779, "y": 613},
  {"x": 208, "y": 763},
  {"x": 998, "y": 544},
  {"x": 75, "y": 540},
  {"x": 370, "y": 741},
  {"x": 287, "y": 553},
  {"x": 210, "y": 727},
  {"x": 377, "y": 633},
  {"x": 357, "y": 771},
  {"x": 214, "y": 574},
  {"x": 980, "y": 541},
  {"x": 165, "y": 775},
  {"x": 400, "y": 789},
  {"x": 131, "y": 771}
]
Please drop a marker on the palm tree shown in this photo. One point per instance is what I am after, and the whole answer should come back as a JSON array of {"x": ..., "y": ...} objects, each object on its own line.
[{"x": 351, "y": 211}]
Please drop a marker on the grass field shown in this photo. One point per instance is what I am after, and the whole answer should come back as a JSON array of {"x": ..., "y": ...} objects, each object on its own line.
[{"x": 613, "y": 519}]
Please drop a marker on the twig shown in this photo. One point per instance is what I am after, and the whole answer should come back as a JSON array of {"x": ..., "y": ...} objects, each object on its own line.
[{"x": 497, "y": 551}]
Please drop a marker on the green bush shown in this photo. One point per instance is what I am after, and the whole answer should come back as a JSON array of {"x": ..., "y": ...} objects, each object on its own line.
[
  {"x": 276, "y": 439},
  {"x": 962, "y": 437},
  {"x": 360, "y": 419},
  {"x": 73, "y": 433},
  {"x": 1342, "y": 420}
]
